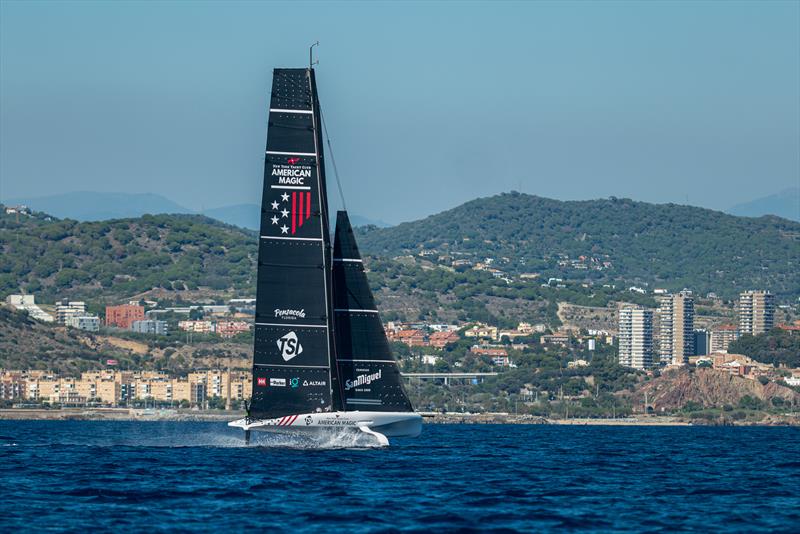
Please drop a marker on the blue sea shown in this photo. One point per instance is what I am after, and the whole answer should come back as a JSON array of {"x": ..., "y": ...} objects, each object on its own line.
[{"x": 151, "y": 476}]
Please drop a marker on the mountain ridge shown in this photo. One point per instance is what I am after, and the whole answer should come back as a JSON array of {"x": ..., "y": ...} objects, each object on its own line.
[{"x": 620, "y": 240}]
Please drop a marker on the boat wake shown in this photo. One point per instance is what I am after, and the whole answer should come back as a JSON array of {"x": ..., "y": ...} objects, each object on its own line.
[{"x": 320, "y": 441}]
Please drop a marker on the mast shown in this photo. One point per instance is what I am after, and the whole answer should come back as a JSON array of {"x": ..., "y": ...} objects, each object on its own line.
[{"x": 293, "y": 348}]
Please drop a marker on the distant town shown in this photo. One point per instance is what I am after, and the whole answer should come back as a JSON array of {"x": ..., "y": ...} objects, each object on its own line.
[{"x": 646, "y": 340}]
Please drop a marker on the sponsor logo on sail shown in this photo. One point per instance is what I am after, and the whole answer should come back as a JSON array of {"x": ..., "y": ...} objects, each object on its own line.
[
  {"x": 290, "y": 346},
  {"x": 292, "y": 315},
  {"x": 278, "y": 382},
  {"x": 292, "y": 161},
  {"x": 261, "y": 381},
  {"x": 314, "y": 383},
  {"x": 308, "y": 420},
  {"x": 294, "y": 382},
  {"x": 362, "y": 380},
  {"x": 291, "y": 175}
]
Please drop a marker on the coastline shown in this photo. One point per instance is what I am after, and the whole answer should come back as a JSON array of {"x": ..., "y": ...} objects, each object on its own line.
[{"x": 134, "y": 414}]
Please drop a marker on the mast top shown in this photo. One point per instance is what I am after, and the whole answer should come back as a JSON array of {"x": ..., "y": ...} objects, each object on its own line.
[{"x": 311, "y": 61}]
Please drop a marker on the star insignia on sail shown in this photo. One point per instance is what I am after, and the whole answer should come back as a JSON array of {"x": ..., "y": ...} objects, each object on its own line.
[
  {"x": 285, "y": 197},
  {"x": 275, "y": 205},
  {"x": 284, "y": 213},
  {"x": 274, "y": 220},
  {"x": 284, "y": 229}
]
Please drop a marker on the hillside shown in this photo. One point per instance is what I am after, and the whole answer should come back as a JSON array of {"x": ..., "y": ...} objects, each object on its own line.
[
  {"x": 708, "y": 388},
  {"x": 120, "y": 258},
  {"x": 29, "y": 344},
  {"x": 607, "y": 240}
]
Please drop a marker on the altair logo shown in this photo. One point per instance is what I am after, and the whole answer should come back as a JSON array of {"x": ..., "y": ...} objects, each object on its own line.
[
  {"x": 290, "y": 346},
  {"x": 362, "y": 380}
]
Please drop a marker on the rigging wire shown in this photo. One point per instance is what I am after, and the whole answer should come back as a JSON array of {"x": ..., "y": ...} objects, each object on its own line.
[{"x": 333, "y": 160}]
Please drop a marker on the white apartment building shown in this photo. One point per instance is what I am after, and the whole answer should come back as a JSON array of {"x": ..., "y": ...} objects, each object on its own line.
[
  {"x": 635, "y": 337},
  {"x": 756, "y": 312},
  {"x": 676, "y": 319}
]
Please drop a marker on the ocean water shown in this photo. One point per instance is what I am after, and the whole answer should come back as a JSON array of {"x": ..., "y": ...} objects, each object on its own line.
[{"x": 150, "y": 476}]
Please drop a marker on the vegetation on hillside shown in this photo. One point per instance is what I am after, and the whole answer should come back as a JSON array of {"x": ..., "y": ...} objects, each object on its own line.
[
  {"x": 665, "y": 245},
  {"x": 774, "y": 347},
  {"x": 120, "y": 258}
]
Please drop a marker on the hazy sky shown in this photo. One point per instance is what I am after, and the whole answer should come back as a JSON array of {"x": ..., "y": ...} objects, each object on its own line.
[{"x": 428, "y": 105}]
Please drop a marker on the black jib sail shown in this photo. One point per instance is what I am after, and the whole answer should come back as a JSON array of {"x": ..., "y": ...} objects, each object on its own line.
[
  {"x": 369, "y": 379},
  {"x": 292, "y": 373}
]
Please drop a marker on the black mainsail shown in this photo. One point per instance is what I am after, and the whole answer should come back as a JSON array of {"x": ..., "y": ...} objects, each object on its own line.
[
  {"x": 292, "y": 370},
  {"x": 319, "y": 342}
]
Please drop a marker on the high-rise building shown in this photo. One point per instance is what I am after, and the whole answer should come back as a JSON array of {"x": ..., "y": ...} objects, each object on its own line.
[
  {"x": 756, "y": 312},
  {"x": 702, "y": 342},
  {"x": 721, "y": 337},
  {"x": 635, "y": 337},
  {"x": 676, "y": 318},
  {"x": 123, "y": 316}
]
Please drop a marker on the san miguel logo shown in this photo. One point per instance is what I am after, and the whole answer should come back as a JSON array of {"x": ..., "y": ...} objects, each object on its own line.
[
  {"x": 291, "y": 315},
  {"x": 362, "y": 380},
  {"x": 290, "y": 346}
]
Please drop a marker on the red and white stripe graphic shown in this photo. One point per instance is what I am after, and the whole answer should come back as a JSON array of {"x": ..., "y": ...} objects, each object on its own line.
[
  {"x": 301, "y": 208},
  {"x": 287, "y": 420}
]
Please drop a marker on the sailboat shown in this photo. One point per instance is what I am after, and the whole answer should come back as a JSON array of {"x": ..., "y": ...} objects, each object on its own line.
[{"x": 321, "y": 358}]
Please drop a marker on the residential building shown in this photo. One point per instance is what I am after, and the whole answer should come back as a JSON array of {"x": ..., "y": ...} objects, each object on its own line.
[
  {"x": 412, "y": 338},
  {"x": 756, "y": 312},
  {"x": 198, "y": 327},
  {"x": 231, "y": 328},
  {"x": 90, "y": 323},
  {"x": 440, "y": 340},
  {"x": 150, "y": 326},
  {"x": 635, "y": 325},
  {"x": 702, "y": 339},
  {"x": 676, "y": 318},
  {"x": 721, "y": 337},
  {"x": 66, "y": 308},
  {"x": 556, "y": 339},
  {"x": 498, "y": 356},
  {"x": 123, "y": 316},
  {"x": 482, "y": 331},
  {"x": 27, "y": 304}
]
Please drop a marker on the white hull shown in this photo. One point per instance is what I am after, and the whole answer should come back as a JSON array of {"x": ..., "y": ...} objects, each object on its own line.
[{"x": 379, "y": 424}]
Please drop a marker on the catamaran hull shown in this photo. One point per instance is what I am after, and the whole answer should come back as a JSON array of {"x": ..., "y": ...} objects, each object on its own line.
[{"x": 388, "y": 424}]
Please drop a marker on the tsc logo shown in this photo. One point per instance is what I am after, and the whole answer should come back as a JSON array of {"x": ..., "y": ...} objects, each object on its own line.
[{"x": 290, "y": 346}]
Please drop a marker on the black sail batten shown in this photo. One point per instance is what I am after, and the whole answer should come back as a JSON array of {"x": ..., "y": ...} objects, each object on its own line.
[
  {"x": 293, "y": 350},
  {"x": 369, "y": 379}
]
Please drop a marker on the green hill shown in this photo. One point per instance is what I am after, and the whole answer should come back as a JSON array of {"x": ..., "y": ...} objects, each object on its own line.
[
  {"x": 119, "y": 258},
  {"x": 664, "y": 245}
]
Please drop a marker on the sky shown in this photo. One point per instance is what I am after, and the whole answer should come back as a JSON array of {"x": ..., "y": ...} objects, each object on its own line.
[{"x": 428, "y": 105}]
